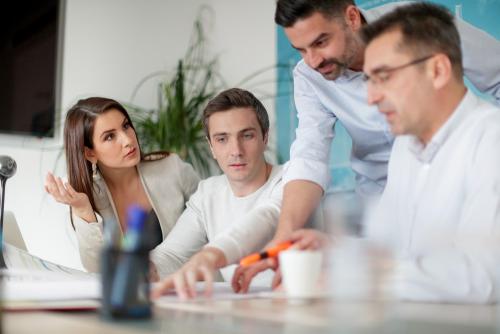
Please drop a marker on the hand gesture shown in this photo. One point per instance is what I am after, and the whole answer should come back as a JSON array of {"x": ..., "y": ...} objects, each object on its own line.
[
  {"x": 64, "y": 193},
  {"x": 243, "y": 275},
  {"x": 200, "y": 267},
  {"x": 302, "y": 239}
]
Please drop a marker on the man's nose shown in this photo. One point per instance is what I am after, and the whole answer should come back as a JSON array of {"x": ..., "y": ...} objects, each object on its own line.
[
  {"x": 236, "y": 147},
  {"x": 374, "y": 93},
  {"x": 314, "y": 58}
]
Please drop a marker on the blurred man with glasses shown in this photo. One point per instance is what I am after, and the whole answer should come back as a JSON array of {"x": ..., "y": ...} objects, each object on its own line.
[{"x": 440, "y": 210}]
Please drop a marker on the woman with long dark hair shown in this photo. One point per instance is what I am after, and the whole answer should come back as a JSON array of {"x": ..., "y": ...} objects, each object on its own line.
[{"x": 107, "y": 172}]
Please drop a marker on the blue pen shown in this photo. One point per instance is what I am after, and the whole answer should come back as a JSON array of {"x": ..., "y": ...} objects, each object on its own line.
[{"x": 125, "y": 292}]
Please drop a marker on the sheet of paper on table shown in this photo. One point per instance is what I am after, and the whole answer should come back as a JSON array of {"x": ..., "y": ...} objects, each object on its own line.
[
  {"x": 221, "y": 291},
  {"x": 16, "y": 258}
]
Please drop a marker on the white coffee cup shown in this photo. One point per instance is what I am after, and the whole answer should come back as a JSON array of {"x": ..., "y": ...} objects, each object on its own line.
[{"x": 300, "y": 270}]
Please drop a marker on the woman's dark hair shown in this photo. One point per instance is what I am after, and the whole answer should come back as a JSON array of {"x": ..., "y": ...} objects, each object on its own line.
[{"x": 78, "y": 132}]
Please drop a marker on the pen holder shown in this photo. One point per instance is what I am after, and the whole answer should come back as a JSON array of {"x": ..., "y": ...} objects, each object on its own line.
[{"x": 125, "y": 284}]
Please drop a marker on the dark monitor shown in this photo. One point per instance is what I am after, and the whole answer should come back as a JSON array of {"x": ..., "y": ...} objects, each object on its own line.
[{"x": 29, "y": 48}]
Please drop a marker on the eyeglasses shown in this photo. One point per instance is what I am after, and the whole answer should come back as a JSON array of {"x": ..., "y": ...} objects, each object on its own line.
[{"x": 382, "y": 75}]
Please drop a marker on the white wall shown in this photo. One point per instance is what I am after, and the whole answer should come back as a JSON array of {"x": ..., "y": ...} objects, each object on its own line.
[{"x": 109, "y": 46}]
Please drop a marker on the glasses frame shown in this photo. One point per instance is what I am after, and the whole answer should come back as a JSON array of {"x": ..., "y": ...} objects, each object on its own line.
[{"x": 375, "y": 78}]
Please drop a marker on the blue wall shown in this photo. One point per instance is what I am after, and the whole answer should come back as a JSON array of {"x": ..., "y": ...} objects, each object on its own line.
[{"x": 481, "y": 13}]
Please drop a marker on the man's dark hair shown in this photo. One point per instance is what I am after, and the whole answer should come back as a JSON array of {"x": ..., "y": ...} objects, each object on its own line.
[
  {"x": 288, "y": 12},
  {"x": 236, "y": 98},
  {"x": 426, "y": 29}
]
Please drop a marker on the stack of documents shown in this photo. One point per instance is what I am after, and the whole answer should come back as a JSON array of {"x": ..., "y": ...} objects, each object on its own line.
[{"x": 33, "y": 283}]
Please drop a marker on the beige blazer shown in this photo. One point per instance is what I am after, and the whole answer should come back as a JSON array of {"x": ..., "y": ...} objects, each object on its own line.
[{"x": 168, "y": 182}]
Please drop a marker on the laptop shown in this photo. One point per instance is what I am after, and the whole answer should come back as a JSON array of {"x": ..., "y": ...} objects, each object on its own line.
[{"x": 11, "y": 232}]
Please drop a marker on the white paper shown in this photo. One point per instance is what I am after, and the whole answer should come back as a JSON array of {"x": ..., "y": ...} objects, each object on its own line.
[
  {"x": 16, "y": 258},
  {"x": 220, "y": 291}
]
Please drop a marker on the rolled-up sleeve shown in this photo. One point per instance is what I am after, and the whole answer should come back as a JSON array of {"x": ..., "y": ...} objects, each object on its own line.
[{"x": 310, "y": 152}]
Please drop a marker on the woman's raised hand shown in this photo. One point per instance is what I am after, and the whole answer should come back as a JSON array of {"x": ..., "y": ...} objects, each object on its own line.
[{"x": 64, "y": 193}]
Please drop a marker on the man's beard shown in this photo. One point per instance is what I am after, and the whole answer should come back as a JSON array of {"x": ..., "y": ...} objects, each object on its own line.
[
  {"x": 339, "y": 68},
  {"x": 352, "y": 48}
]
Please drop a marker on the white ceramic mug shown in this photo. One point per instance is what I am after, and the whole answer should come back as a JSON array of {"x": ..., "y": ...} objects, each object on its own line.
[{"x": 300, "y": 270}]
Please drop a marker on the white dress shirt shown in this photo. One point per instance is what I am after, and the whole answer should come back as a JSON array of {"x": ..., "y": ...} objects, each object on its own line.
[
  {"x": 321, "y": 102},
  {"x": 440, "y": 211}
]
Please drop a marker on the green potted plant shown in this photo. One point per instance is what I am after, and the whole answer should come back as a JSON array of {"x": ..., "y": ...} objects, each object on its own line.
[{"x": 176, "y": 124}]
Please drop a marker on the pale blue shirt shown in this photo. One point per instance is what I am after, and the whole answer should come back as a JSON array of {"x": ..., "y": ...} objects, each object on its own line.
[{"x": 321, "y": 102}]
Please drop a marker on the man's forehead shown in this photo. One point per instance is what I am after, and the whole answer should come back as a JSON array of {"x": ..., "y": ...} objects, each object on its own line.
[
  {"x": 233, "y": 121},
  {"x": 383, "y": 50},
  {"x": 306, "y": 30}
]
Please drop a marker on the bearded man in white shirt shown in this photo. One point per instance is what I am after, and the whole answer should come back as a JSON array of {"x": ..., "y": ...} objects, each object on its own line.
[
  {"x": 231, "y": 215},
  {"x": 440, "y": 211},
  {"x": 329, "y": 87}
]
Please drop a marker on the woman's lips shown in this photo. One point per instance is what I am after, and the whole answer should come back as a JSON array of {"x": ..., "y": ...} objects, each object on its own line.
[{"x": 131, "y": 153}]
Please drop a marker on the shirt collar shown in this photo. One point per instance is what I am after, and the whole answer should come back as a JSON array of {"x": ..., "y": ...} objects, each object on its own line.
[
  {"x": 427, "y": 153},
  {"x": 349, "y": 75}
]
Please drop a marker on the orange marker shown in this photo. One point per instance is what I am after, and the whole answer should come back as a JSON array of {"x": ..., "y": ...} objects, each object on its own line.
[{"x": 270, "y": 252}]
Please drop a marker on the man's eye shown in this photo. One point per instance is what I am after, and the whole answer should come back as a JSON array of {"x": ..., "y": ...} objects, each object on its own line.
[
  {"x": 383, "y": 76},
  {"x": 321, "y": 43},
  {"x": 248, "y": 136},
  {"x": 221, "y": 140}
]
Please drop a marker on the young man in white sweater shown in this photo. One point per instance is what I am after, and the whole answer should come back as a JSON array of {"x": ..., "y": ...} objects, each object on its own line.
[{"x": 230, "y": 215}]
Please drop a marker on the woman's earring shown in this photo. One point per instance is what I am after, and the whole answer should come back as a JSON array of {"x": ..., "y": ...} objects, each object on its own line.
[{"x": 94, "y": 172}]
